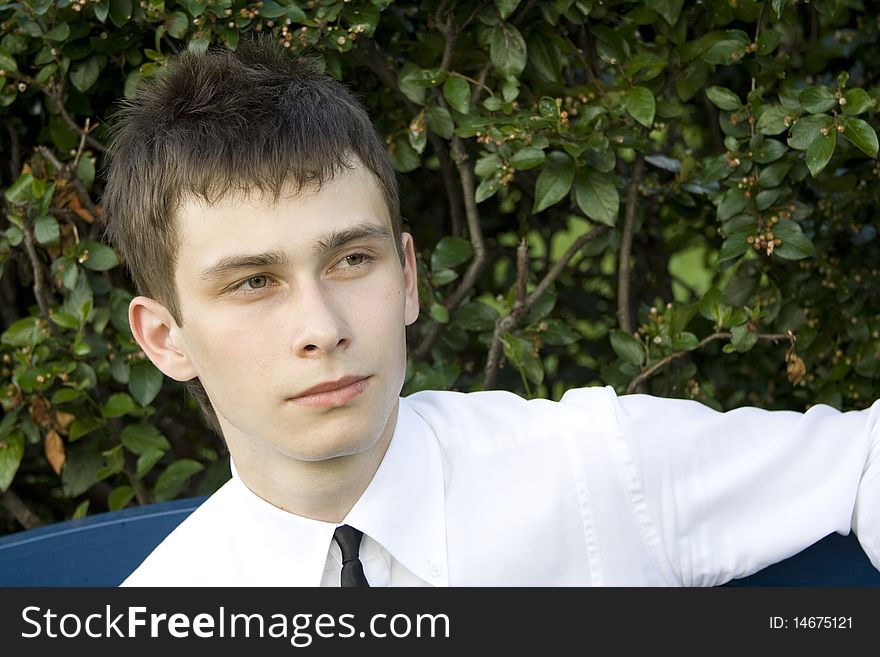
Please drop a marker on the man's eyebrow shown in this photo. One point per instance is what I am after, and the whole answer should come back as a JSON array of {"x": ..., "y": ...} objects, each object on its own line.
[
  {"x": 338, "y": 238},
  {"x": 231, "y": 264}
]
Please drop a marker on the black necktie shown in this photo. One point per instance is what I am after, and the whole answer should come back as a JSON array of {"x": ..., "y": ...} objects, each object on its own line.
[{"x": 349, "y": 540}]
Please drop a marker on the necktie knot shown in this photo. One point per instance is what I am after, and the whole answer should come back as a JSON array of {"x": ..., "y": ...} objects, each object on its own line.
[{"x": 349, "y": 540}]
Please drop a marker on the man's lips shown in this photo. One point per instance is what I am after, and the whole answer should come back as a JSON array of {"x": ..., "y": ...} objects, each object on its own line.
[{"x": 333, "y": 393}]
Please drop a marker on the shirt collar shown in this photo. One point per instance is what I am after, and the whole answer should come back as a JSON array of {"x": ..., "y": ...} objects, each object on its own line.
[{"x": 402, "y": 509}]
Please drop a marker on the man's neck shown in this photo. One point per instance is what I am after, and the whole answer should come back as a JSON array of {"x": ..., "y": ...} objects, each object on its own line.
[{"x": 323, "y": 490}]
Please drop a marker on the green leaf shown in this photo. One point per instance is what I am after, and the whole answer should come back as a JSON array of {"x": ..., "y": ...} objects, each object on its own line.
[
  {"x": 450, "y": 252},
  {"x": 85, "y": 74},
  {"x": 558, "y": 332},
  {"x": 597, "y": 196},
  {"x": 457, "y": 92},
  {"x": 440, "y": 121},
  {"x": 820, "y": 152},
  {"x": 85, "y": 170},
  {"x": 174, "y": 478},
  {"x": 118, "y": 405},
  {"x": 80, "y": 471},
  {"x": 66, "y": 395},
  {"x": 544, "y": 57},
  {"x": 475, "y": 316},
  {"x": 178, "y": 24},
  {"x": 506, "y": 7},
  {"x": 521, "y": 354},
  {"x": 743, "y": 337},
  {"x": 119, "y": 497},
  {"x": 768, "y": 151},
  {"x": 142, "y": 438},
  {"x": 507, "y": 50},
  {"x": 11, "y": 453},
  {"x": 723, "y": 98},
  {"x": 857, "y": 101},
  {"x": 81, "y": 510},
  {"x": 795, "y": 245},
  {"x": 82, "y": 426},
  {"x": 29, "y": 331},
  {"x": 97, "y": 256},
  {"x": 404, "y": 157},
  {"x": 640, "y": 103},
  {"x": 7, "y": 61},
  {"x": 102, "y": 8},
  {"x": 120, "y": 11},
  {"x": 732, "y": 203},
  {"x": 627, "y": 347},
  {"x": 860, "y": 134},
  {"x": 767, "y": 41},
  {"x": 685, "y": 341},
  {"x": 439, "y": 313},
  {"x": 774, "y": 174},
  {"x": 59, "y": 33},
  {"x": 47, "y": 230},
  {"x": 65, "y": 320},
  {"x": 147, "y": 460},
  {"x": 808, "y": 129},
  {"x": 727, "y": 51},
  {"x": 817, "y": 99},
  {"x": 144, "y": 382},
  {"x": 20, "y": 190},
  {"x": 555, "y": 180},
  {"x": 443, "y": 277},
  {"x": 670, "y": 10},
  {"x": 733, "y": 247},
  {"x": 486, "y": 189},
  {"x": 527, "y": 158}
]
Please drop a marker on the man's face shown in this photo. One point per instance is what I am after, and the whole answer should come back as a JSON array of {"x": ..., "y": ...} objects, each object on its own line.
[{"x": 294, "y": 316}]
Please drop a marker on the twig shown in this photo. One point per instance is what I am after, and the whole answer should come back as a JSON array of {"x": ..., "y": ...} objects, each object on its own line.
[
  {"x": 59, "y": 105},
  {"x": 70, "y": 174},
  {"x": 512, "y": 320},
  {"x": 19, "y": 510},
  {"x": 647, "y": 373},
  {"x": 522, "y": 271},
  {"x": 624, "y": 317},
  {"x": 475, "y": 234},
  {"x": 140, "y": 492},
  {"x": 82, "y": 142},
  {"x": 40, "y": 291},
  {"x": 14, "y": 151}
]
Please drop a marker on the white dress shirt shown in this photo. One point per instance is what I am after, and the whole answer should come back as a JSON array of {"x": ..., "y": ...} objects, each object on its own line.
[{"x": 490, "y": 489}]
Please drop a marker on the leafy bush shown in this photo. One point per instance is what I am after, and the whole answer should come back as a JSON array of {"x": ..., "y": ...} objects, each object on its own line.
[{"x": 668, "y": 197}]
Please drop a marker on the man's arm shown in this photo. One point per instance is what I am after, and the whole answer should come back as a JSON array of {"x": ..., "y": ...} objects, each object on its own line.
[{"x": 730, "y": 493}]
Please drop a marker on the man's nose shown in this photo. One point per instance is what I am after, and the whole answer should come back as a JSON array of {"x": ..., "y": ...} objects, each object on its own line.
[{"x": 319, "y": 321}]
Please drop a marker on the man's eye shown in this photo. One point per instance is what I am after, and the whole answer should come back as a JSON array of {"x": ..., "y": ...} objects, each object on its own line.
[
  {"x": 353, "y": 260},
  {"x": 255, "y": 283}
]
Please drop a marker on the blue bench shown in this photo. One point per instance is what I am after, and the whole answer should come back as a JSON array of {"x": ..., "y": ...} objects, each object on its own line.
[{"x": 101, "y": 550}]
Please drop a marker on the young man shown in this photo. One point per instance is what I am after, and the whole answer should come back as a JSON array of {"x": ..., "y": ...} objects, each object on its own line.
[{"x": 256, "y": 207}]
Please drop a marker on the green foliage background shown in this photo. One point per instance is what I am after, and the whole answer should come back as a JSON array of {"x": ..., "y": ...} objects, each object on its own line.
[{"x": 667, "y": 197}]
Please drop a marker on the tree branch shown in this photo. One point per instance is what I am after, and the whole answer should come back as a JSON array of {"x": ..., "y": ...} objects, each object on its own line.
[
  {"x": 68, "y": 119},
  {"x": 647, "y": 373},
  {"x": 512, "y": 321},
  {"x": 44, "y": 298},
  {"x": 475, "y": 233},
  {"x": 624, "y": 317},
  {"x": 70, "y": 174},
  {"x": 19, "y": 510}
]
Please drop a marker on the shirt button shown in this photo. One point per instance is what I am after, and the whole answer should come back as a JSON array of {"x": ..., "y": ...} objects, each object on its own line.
[{"x": 435, "y": 569}]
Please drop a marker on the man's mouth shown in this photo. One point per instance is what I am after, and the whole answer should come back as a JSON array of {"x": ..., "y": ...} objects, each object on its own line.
[{"x": 331, "y": 394}]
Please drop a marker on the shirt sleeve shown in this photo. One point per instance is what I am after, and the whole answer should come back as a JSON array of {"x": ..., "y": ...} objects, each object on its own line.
[{"x": 731, "y": 493}]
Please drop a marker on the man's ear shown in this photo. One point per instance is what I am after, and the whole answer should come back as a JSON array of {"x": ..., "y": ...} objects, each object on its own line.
[
  {"x": 410, "y": 280},
  {"x": 156, "y": 331}
]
